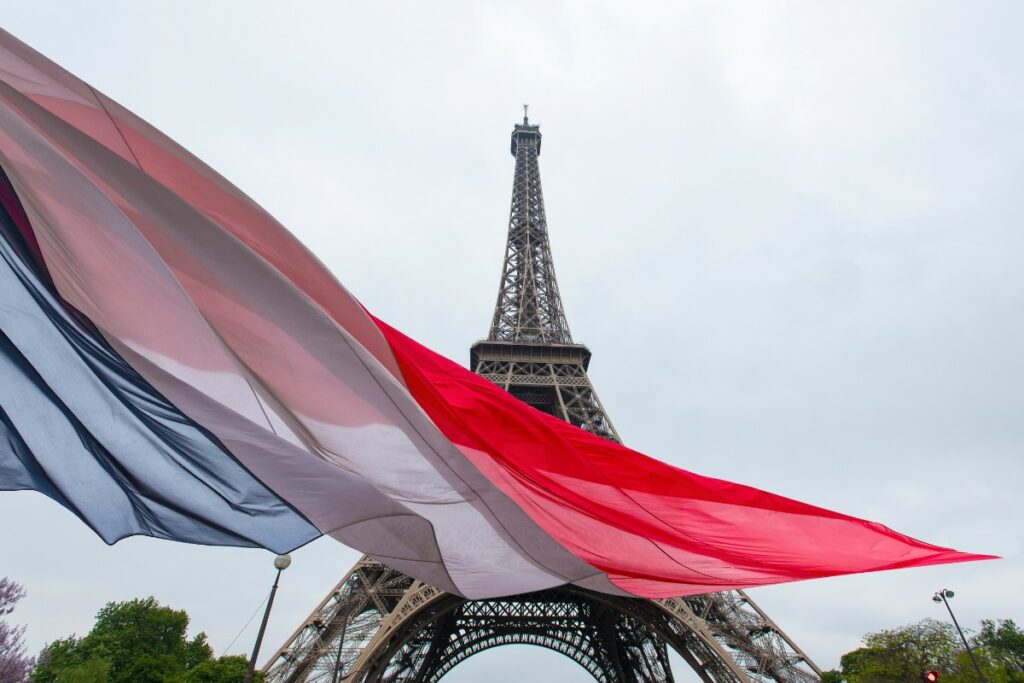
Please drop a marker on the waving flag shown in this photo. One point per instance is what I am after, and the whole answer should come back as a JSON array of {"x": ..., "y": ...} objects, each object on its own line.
[{"x": 174, "y": 363}]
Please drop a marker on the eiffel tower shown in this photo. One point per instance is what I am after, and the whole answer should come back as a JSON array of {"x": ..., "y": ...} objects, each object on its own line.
[{"x": 379, "y": 625}]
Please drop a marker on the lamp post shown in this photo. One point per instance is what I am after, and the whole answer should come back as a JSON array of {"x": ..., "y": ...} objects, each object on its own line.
[
  {"x": 941, "y": 596},
  {"x": 281, "y": 563}
]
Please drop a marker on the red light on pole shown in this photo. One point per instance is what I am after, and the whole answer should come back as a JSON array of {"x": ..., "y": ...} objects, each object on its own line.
[{"x": 930, "y": 676}]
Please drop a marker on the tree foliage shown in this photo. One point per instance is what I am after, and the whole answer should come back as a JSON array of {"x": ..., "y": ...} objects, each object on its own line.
[
  {"x": 14, "y": 663},
  {"x": 902, "y": 654},
  {"x": 138, "y": 641},
  {"x": 1000, "y": 644},
  {"x": 223, "y": 670}
]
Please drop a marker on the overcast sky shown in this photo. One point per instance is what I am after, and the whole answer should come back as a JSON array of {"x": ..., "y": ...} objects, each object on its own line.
[{"x": 789, "y": 232}]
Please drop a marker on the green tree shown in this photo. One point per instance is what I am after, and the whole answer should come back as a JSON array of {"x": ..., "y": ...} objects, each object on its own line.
[
  {"x": 92, "y": 671},
  {"x": 138, "y": 641},
  {"x": 832, "y": 676},
  {"x": 900, "y": 655},
  {"x": 999, "y": 647},
  {"x": 229, "y": 669}
]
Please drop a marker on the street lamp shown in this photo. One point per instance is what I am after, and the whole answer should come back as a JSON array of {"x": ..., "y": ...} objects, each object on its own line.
[
  {"x": 941, "y": 596},
  {"x": 281, "y": 563}
]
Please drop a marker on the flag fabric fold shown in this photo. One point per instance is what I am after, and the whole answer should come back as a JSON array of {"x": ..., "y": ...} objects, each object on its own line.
[{"x": 174, "y": 363}]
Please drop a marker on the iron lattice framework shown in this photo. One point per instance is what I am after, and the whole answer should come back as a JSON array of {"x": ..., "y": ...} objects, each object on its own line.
[
  {"x": 529, "y": 307},
  {"x": 530, "y": 351},
  {"x": 379, "y": 625}
]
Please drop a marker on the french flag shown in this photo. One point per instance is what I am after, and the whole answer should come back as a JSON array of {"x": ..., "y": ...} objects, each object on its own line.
[{"x": 174, "y": 363}]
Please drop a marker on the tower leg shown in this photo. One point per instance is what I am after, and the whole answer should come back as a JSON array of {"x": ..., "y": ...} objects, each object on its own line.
[{"x": 384, "y": 627}]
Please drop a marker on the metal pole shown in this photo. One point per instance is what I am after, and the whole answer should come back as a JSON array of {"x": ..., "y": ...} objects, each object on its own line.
[
  {"x": 263, "y": 627},
  {"x": 942, "y": 594}
]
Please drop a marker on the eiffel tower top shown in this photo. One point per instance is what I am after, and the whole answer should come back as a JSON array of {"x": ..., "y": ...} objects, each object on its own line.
[
  {"x": 526, "y": 132},
  {"x": 529, "y": 307}
]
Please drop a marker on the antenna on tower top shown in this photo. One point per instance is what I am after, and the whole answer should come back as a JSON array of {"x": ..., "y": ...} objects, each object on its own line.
[{"x": 526, "y": 119}]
